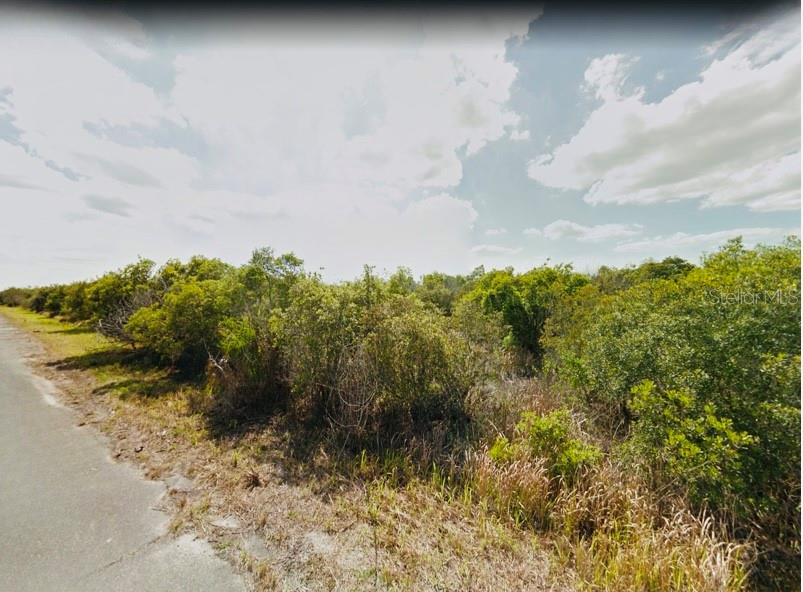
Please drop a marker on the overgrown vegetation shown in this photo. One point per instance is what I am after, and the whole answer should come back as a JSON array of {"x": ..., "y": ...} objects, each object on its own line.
[{"x": 646, "y": 419}]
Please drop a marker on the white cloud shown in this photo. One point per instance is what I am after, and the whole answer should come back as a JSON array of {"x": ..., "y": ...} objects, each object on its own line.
[
  {"x": 495, "y": 231},
  {"x": 390, "y": 116},
  {"x": 532, "y": 231},
  {"x": 600, "y": 232},
  {"x": 127, "y": 48},
  {"x": 322, "y": 149},
  {"x": 680, "y": 242},
  {"x": 519, "y": 135},
  {"x": 731, "y": 137},
  {"x": 605, "y": 77},
  {"x": 109, "y": 205},
  {"x": 495, "y": 250}
]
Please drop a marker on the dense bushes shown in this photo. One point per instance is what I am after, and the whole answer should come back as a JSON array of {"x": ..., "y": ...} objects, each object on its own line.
[
  {"x": 111, "y": 291},
  {"x": 381, "y": 364},
  {"x": 685, "y": 380},
  {"x": 683, "y": 440},
  {"x": 16, "y": 296},
  {"x": 700, "y": 375},
  {"x": 413, "y": 369},
  {"x": 183, "y": 327},
  {"x": 315, "y": 333},
  {"x": 525, "y": 301},
  {"x": 720, "y": 347}
]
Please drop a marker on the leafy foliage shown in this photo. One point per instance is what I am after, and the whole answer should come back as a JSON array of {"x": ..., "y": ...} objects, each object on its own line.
[
  {"x": 16, "y": 296},
  {"x": 684, "y": 439},
  {"x": 525, "y": 301},
  {"x": 699, "y": 376},
  {"x": 549, "y": 437},
  {"x": 183, "y": 328}
]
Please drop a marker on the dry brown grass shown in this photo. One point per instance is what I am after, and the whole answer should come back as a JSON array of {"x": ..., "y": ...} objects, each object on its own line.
[
  {"x": 613, "y": 533},
  {"x": 519, "y": 489},
  {"x": 499, "y": 411},
  {"x": 428, "y": 541},
  {"x": 685, "y": 553}
]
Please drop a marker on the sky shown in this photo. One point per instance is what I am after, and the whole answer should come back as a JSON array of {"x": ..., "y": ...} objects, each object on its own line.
[{"x": 508, "y": 137}]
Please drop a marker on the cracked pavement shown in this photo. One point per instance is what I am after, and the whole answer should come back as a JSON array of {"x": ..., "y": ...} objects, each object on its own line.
[{"x": 72, "y": 519}]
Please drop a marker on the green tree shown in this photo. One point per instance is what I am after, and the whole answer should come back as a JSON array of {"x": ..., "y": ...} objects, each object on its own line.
[
  {"x": 401, "y": 282},
  {"x": 525, "y": 301}
]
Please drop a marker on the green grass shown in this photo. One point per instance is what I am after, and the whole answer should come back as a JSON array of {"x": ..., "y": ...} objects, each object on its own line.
[
  {"x": 117, "y": 368},
  {"x": 63, "y": 339}
]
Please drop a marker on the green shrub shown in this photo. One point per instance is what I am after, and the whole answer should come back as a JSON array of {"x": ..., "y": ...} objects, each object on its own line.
[
  {"x": 722, "y": 345},
  {"x": 16, "y": 296},
  {"x": 683, "y": 440},
  {"x": 525, "y": 301},
  {"x": 726, "y": 337},
  {"x": 419, "y": 367},
  {"x": 54, "y": 300},
  {"x": 502, "y": 451},
  {"x": 266, "y": 280},
  {"x": 611, "y": 280},
  {"x": 380, "y": 366},
  {"x": 105, "y": 295},
  {"x": 198, "y": 268},
  {"x": 247, "y": 372},
  {"x": 38, "y": 299},
  {"x": 183, "y": 328},
  {"x": 401, "y": 282},
  {"x": 313, "y": 334},
  {"x": 75, "y": 306},
  {"x": 550, "y": 436},
  {"x": 443, "y": 291}
]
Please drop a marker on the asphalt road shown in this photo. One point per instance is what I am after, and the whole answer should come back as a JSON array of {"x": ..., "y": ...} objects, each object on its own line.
[{"x": 71, "y": 519}]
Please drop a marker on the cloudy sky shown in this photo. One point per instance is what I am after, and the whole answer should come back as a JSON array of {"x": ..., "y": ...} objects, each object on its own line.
[{"x": 439, "y": 142}]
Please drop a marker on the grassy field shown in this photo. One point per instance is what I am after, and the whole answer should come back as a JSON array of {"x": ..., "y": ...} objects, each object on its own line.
[{"x": 285, "y": 515}]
